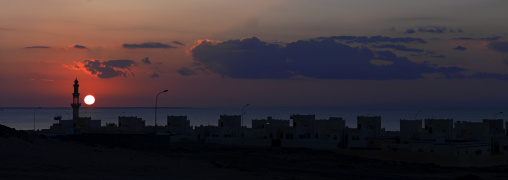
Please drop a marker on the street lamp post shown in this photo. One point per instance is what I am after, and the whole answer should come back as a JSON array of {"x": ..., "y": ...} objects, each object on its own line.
[
  {"x": 155, "y": 127},
  {"x": 497, "y": 114},
  {"x": 417, "y": 114},
  {"x": 35, "y": 110},
  {"x": 242, "y": 121}
]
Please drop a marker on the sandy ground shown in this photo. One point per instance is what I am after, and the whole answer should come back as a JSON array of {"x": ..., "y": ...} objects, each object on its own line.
[{"x": 137, "y": 157}]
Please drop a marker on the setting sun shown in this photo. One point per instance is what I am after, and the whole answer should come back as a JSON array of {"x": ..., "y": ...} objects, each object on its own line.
[{"x": 89, "y": 100}]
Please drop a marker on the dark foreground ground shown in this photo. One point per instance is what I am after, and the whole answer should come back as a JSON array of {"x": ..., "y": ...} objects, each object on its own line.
[{"x": 24, "y": 156}]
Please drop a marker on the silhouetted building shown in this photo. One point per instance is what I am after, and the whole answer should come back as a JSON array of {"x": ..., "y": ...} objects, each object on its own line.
[
  {"x": 410, "y": 130},
  {"x": 231, "y": 125},
  {"x": 471, "y": 130},
  {"x": 495, "y": 126},
  {"x": 83, "y": 124},
  {"x": 131, "y": 123},
  {"x": 269, "y": 123},
  {"x": 331, "y": 128},
  {"x": 268, "y": 131},
  {"x": 438, "y": 129},
  {"x": 303, "y": 125},
  {"x": 178, "y": 125},
  {"x": 370, "y": 125}
]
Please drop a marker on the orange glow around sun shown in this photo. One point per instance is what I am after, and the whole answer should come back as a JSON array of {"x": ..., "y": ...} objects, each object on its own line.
[{"x": 89, "y": 100}]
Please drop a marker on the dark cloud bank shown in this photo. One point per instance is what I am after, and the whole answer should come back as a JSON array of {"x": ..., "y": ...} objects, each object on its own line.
[{"x": 323, "y": 58}]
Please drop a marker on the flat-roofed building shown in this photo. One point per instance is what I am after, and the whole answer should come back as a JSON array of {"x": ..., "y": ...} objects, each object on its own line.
[
  {"x": 178, "y": 125},
  {"x": 371, "y": 125},
  {"x": 471, "y": 130},
  {"x": 438, "y": 129},
  {"x": 495, "y": 127},
  {"x": 410, "y": 130},
  {"x": 230, "y": 125},
  {"x": 131, "y": 123}
]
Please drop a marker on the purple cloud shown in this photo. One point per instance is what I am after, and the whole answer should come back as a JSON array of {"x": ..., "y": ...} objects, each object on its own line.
[
  {"x": 323, "y": 58},
  {"x": 147, "y": 45},
  {"x": 38, "y": 47},
  {"x": 79, "y": 47},
  {"x": 499, "y": 46},
  {"x": 460, "y": 48}
]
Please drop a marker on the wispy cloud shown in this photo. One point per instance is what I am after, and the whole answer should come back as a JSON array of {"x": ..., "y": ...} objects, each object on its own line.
[
  {"x": 178, "y": 43},
  {"x": 79, "y": 47},
  {"x": 398, "y": 47},
  {"x": 374, "y": 39},
  {"x": 146, "y": 60},
  {"x": 154, "y": 75},
  {"x": 493, "y": 38},
  {"x": 38, "y": 47},
  {"x": 483, "y": 75},
  {"x": 433, "y": 29},
  {"x": 147, "y": 45},
  {"x": 186, "y": 72},
  {"x": 460, "y": 48}
]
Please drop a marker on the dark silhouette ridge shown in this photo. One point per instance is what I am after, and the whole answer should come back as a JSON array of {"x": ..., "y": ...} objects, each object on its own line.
[{"x": 92, "y": 156}]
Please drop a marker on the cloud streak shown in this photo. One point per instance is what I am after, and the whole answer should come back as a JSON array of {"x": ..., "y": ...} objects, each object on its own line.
[
  {"x": 374, "y": 39},
  {"x": 433, "y": 29},
  {"x": 178, "y": 43},
  {"x": 79, "y": 47},
  {"x": 146, "y": 60},
  {"x": 38, "y": 47},
  {"x": 399, "y": 47},
  {"x": 493, "y": 38},
  {"x": 147, "y": 45},
  {"x": 186, "y": 72},
  {"x": 460, "y": 48}
]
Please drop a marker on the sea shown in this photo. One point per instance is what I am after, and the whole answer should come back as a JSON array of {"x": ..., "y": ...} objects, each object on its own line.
[{"x": 43, "y": 118}]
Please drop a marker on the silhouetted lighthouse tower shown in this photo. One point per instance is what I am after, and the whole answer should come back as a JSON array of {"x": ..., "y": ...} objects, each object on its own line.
[{"x": 75, "y": 101}]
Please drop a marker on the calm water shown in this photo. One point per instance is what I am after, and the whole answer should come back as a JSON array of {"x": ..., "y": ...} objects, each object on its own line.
[{"x": 23, "y": 118}]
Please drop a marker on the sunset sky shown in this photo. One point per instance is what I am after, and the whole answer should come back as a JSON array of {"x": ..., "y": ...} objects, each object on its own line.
[{"x": 226, "y": 53}]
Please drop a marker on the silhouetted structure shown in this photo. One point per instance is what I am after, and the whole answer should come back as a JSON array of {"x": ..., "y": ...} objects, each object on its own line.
[
  {"x": 495, "y": 126},
  {"x": 438, "y": 129},
  {"x": 178, "y": 125},
  {"x": 231, "y": 125},
  {"x": 75, "y": 101},
  {"x": 131, "y": 123},
  {"x": 369, "y": 124},
  {"x": 77, "y": 124},
  {"x": 410, "y": 130}
]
